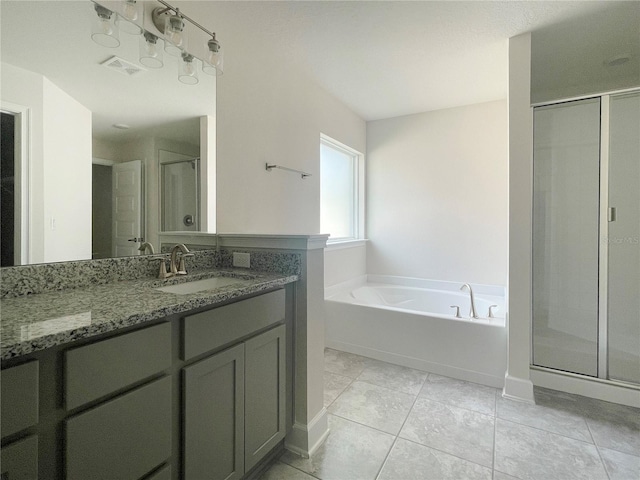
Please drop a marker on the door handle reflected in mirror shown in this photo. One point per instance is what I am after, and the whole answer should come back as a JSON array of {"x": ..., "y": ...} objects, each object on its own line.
[{"x": 136, "y": 239}]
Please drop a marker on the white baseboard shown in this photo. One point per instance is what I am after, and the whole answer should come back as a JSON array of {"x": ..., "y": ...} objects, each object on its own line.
[
  {"x": 519, "y": 389},
  {"x": 594, "y": 388},
  {"x": 418, "y": 364},
  {"x": 304, "y": 440}
]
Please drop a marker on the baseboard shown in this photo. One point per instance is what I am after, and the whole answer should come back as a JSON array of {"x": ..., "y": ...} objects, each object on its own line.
[
  {"x": 519, "y": 389},
  {"x": 304, "y": 440},
  {"x": 418, "y": 364},
  {"x": 593, "y": 388}
]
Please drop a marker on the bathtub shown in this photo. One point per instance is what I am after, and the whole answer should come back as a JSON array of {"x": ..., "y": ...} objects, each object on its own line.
[{"x": 410, "y": 322}]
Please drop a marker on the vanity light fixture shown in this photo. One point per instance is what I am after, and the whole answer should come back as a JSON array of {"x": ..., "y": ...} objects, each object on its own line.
[
  {"x": 150, "y": 51},
  {"x": 187, "y": 70},
  {"x": 172, "y": 26},
  {"x": 131, "y": 11},
  {"x": 104, "y": 30},
  {"x": 212, "y": 64},
  {"x": 171, "y": 23}
]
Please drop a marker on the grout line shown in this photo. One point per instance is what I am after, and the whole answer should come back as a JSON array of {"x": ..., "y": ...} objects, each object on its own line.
[
  {"x": 386, "y": 458},
  {"x": 362, "y": 424},
  {"x": 444, "y": 452},
  {"x": 604, "y": 465},
  {"x": 340, "y": 394},
  {"x": 546, "y": 431},
  {"x": 395, "y": 440},
  {"x": 300, "y": 470},
  {"x": 457, "y": 406}
]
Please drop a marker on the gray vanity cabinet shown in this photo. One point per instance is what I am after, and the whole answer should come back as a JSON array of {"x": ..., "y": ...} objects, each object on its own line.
[
  {"x": 193, "y": 396},
  {"x": 19, "y": 460},
  {"x": 265, "y": 385},
  {"x": 234, "y": 407},
  {"x": 214, "y": 416},
  {"x": 19, "y": 412},
  {"x": 234, "y": 400}
]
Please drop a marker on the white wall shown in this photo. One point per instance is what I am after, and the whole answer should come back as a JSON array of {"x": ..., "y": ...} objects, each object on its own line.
[
  {"x": 60, "y": 166},
  {"x": 269, "y": 114},
  {"x": 437, "y": 194},
  {"x": 67, "y": 176},
  {"x": 343, "y": 263}
]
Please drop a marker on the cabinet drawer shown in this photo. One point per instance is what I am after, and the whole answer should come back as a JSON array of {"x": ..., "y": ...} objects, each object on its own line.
[
  {"x": 19, "y": 460},
  {"x": 124, "y": 438},
  {"x": 101, "y": 368},
  {"x": 19, "y": 397},
  {"x": 220, "y": 326}
]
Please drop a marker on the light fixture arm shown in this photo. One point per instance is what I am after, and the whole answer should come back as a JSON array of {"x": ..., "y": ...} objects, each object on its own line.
[{"x": 158, "y": 12}]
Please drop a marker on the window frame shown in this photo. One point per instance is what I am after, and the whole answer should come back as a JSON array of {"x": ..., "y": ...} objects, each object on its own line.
[{"x": 358, "y": 189}]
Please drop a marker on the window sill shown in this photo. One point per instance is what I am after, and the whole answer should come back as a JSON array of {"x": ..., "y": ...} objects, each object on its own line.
[{"x": 340, "y": 244}]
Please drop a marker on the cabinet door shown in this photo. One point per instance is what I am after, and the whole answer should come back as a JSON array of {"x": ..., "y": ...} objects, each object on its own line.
[
  {"x": 214, "y": 417},
  {"x": 264, "y": 394},
  {"x": 19, "y": 460}
]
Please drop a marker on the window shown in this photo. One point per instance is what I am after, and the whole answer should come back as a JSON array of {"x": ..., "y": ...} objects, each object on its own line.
[{"x": 341, "y": 191}]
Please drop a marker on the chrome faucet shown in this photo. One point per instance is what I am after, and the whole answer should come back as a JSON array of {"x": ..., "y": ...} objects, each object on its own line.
[
  {"x": 176, "y": 268},
  {"x": 144, "y": 246},
  {"x": 472, "y": 312}
]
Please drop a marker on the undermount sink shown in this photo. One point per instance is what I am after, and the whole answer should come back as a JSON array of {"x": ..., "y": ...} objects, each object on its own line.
[{"x": 202, "y": 285}]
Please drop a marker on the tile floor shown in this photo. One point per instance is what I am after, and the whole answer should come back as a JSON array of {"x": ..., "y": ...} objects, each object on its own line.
[{"x": 394, "y": 423}]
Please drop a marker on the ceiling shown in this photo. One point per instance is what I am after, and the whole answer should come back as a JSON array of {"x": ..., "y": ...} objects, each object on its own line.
[
  {"x": 390, "y": 58},
  {"x": 380, "y": 58}
]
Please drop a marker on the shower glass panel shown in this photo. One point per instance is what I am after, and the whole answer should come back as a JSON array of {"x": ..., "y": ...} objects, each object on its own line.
[
  {"x": 565, "y": 236},
  {"x": 180, "y": 194},
  {"x": 623, "y": 238}
]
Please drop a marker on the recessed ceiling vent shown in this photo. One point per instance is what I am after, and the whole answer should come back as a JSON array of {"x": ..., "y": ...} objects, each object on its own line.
[{"x": 126, "y": 68}]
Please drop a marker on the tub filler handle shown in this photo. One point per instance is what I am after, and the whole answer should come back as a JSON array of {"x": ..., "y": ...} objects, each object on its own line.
[
  {"x": 491, "y": 315},
  {"x": 457, "y": 307}
]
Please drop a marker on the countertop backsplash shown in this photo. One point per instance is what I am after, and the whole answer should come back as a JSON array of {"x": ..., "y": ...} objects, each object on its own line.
[{"x": 51, "y": 277}]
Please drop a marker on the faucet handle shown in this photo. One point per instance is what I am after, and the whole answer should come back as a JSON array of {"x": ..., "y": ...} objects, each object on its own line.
[
  {"x": 457, "y": 307},
  {"x": 162, "y": 273},
  {"x": 491, "y": 312},
  {"x": 182, "y": 270}
]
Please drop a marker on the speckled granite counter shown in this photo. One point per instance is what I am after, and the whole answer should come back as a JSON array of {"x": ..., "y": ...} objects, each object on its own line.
[{"x": 35, "y": 322}]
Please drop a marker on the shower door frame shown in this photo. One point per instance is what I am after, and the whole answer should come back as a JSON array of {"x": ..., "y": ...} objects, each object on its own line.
[{"x": 603, "y": 246}]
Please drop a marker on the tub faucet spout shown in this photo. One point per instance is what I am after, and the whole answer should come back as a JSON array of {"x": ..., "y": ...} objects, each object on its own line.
[{"x": 472, "y": 312}]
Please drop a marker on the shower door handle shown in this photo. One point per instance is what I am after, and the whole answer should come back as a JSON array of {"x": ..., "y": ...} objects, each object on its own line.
[{"x": 612, "y": 214}]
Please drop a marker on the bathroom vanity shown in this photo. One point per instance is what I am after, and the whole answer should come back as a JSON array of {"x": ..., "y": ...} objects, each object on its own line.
[{"x": 126, "y": 381}]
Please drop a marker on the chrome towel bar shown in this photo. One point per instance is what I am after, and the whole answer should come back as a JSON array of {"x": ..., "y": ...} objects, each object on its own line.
[{"x": 302, "y": 174}]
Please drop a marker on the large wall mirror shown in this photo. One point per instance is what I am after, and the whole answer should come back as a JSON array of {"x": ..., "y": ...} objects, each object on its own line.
[{"x": 94, "y": 142}]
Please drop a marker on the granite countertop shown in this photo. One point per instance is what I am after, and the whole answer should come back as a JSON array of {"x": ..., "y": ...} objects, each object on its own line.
[{"x": 35, "y": 322}]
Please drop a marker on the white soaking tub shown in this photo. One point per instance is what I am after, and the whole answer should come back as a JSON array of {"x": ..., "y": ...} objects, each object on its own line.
[{"x": 410, "y": 322}]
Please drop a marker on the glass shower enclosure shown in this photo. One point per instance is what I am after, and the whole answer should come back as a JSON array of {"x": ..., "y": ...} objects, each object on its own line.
[{"x": 586, "y": 237}]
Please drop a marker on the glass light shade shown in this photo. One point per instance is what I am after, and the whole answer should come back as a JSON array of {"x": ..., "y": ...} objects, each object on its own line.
[
  {"x": 150, "y": 51},
  {"x": 176, "y": 41},
  {"x": 132, "y": 12},
  {"x": 104, "y": 29},
  {"x": 187, "y": 70},
  {"x": 213, "y": 62}
]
